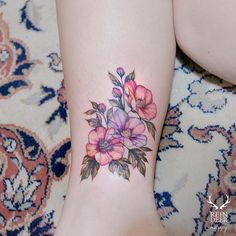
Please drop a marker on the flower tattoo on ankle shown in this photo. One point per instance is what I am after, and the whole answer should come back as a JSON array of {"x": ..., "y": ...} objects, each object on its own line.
[{"x": 118, "y": 139}]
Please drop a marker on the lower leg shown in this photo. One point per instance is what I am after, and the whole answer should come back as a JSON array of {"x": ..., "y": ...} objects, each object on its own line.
[{"x": 110, "y": 190}]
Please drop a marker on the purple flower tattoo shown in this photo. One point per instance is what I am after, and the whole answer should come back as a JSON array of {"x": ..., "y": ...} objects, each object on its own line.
[{"x": 118, "y": 137}]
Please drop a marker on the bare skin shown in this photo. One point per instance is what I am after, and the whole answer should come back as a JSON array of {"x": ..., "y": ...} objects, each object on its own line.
[
  {"x": 206, "y": 31},
  {"x": 96, "y": 38}
]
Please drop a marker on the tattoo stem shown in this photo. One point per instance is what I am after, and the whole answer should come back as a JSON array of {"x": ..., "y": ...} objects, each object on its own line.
[
  {"x": 104, "y": 119},
  {"x": 123, "y": 95}
]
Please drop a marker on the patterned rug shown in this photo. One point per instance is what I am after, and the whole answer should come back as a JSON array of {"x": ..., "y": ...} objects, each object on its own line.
[{"x": 195, "y": 188}]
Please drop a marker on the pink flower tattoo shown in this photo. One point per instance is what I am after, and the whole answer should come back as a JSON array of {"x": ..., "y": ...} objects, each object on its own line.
[
  {"x": 103, "y": 146},
  {"x": 118, "y": 137},
  {"x": 140, "y": 99}
]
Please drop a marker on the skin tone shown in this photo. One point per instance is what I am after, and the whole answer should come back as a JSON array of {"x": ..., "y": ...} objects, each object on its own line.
[
  {"x": 96, "y": 39},
  {"x": 206, "y": 32}
]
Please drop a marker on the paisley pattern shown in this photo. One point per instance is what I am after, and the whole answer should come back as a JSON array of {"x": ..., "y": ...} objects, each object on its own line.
[
  {"x": 27, "y": 172},
  {"x": 197, "y": 152},
  {"x": 30, "y": 16},
  {"x": 15, "y": 63},
  {"x": 59, "y": 115},
  {"x": 197, "y": 118},
  {"x": 221, "y": 184}
]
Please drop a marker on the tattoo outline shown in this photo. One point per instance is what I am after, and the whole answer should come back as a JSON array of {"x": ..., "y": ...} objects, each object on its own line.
[{"x": 118, "y": 138}]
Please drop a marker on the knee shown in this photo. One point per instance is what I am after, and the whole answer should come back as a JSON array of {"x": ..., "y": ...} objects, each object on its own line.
[
  {"x": 205, "y": 32},
  {"x": 186, "y": 33}
]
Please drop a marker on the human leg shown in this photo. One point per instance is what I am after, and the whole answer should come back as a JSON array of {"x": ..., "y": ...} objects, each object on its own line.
[
  {"x": 206, "y": 32},
  {"x": 96, "y": 38}
]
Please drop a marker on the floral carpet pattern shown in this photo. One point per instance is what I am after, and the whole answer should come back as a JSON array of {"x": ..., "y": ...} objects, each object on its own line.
[{"x": 195, "y": 187}]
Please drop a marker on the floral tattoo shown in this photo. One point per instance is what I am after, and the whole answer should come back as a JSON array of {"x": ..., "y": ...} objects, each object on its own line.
[{"x": 118, "y": 139}]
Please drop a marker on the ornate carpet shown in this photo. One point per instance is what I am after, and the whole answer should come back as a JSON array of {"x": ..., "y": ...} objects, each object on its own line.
[{"x": 195, "y": 187}]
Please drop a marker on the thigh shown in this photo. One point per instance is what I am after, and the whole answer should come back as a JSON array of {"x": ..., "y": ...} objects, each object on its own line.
[{"x": 206, "y": 32}]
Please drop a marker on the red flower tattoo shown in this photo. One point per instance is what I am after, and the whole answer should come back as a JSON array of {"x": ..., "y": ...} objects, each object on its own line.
[{"x": 118, "y": 137}]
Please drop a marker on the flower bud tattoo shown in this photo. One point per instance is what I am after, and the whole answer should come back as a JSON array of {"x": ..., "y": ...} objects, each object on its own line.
[{"x": 118, "y": 137}]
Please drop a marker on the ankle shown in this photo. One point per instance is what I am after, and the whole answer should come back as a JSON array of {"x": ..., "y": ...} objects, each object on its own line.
[{"x": 118, "y": 210}]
